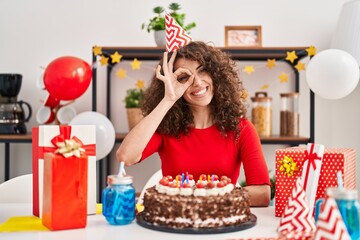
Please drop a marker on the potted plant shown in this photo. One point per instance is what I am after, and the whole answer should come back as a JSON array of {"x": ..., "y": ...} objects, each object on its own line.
[
  {"x": 132, "y": 104},
  {"x": 272, "y": 181},
  {"x": 157, "y": 23}
]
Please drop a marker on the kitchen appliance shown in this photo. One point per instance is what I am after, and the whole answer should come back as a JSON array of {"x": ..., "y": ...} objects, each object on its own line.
[{"x": 12, "y": 115}]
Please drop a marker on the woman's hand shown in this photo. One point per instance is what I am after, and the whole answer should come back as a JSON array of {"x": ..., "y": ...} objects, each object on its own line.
[{"x": 174, "y": 86}]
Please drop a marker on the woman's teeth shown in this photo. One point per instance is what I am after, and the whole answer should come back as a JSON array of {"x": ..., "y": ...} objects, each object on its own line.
[{"x": 200, "y": 92}]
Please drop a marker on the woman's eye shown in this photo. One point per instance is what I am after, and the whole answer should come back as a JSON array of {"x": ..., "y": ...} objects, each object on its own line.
[
  {"x": 201, "y": 70},
  {"x": 183, "y": 78}
]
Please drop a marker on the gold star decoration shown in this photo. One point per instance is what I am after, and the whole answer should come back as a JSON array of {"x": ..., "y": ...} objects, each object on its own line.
[
  {"x": 104, "y": 60},
  {"x": 139, "y": 207},
  {"x": 97, "y": 50},
  {"x": 291, "y": 56},
  {"x": 249, "y": 69},
  {"x": 270, "y": 63},
  {"x": 121, "y": 73},
  {"x": 311, "y": 51},
  {"x": 140, "y": 84},
  {"x": 264, "y": 87},
  {"x": 244, "y": 94},
  {"x": 116, "y": 57},
  {"x": 283, "y": 77},
  {"x": 135, "y": 64},
  {"x": 300, "y": 66}
]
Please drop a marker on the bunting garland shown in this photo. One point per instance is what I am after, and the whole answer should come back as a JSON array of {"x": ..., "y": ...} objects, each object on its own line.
[{"x": 107, "y": 59}]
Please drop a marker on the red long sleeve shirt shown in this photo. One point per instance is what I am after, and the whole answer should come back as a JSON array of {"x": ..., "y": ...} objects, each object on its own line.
[{"x": 207, "y": 151}]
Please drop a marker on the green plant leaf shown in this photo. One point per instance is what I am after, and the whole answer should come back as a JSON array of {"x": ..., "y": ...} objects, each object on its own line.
[
  {"x": 158, "y": 10},
  {"x": 157, "y": 23},
  {"x": 190, "y": 26},
  {"x": 133, "y": 98},
  {"x": 272, "y": 181},
  {"x": 174, "y": 7}
]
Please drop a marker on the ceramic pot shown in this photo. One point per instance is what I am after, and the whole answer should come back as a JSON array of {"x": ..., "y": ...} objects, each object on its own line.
[
  {"x": 134, "y": 116},
  {"x": 160, "y": 38}
]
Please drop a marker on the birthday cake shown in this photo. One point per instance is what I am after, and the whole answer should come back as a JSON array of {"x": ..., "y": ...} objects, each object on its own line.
[{"x": 208, "y": 203}]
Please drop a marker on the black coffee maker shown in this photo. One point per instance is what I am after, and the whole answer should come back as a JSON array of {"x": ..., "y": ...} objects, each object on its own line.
[{"x": 12, "y": 115}]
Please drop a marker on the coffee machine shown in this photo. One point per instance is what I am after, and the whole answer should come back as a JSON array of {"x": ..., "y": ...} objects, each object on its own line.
[{"x": 12, "y": 115}]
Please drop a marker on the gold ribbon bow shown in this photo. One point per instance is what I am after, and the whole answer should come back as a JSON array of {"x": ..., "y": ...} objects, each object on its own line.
[
  {"x": 288, "y": 166},
  {"x": 69, "y": 148}
]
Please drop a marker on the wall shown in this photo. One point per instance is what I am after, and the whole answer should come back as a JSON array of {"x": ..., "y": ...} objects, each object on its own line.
[{"x": 33, "y": 33}]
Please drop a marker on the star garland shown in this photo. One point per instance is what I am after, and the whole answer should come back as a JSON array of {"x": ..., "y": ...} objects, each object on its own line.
[
  {"x": 283, "y": 77},
  {"x": 270, "y": 63},
  {"x": 115, "y": 58}
]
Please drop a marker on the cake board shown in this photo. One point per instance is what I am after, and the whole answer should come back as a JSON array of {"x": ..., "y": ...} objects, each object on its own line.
[{"x": 242, "y": 226}]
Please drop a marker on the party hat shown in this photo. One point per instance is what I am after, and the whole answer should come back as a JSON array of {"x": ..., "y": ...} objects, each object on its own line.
[
  {"x": 176, "y": 37},
  {"x": 297, "y": 216},
  {"x": 330, "y": 224}
]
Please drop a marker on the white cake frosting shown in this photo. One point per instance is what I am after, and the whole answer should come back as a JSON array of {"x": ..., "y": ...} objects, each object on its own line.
[
  {"x": 200, "y": 192},
  {"x": 186, "y": 191}
]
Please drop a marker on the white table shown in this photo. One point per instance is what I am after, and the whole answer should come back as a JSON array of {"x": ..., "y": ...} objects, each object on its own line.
[{"x": 97, "y": 228}]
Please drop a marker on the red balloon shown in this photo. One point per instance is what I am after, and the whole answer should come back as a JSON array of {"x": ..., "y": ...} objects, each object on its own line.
[{"x": 67, "y": 78}]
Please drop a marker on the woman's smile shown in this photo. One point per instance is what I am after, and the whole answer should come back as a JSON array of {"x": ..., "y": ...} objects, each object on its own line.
[{"x": 200, "y": 92}]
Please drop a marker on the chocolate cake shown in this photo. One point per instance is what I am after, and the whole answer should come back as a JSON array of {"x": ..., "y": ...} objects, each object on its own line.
[{"x": 206, "y": 204}]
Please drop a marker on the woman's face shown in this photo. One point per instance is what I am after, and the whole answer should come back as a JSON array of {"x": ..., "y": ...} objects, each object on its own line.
[{"x": 201, "y": 91}]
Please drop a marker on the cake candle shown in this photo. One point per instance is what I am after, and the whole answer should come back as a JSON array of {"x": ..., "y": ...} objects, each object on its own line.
[{"x": 182, "y": 179}]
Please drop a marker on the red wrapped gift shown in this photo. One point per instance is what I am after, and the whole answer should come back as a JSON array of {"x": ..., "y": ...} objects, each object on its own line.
[
  {"x": 334, "y": 160},
  {"x": 44, "y": 141},
  {"x": 65, "y": 191}
]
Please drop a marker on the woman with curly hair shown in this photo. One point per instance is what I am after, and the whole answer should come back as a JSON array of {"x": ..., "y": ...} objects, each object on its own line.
[{"x": 195, "y": 119}]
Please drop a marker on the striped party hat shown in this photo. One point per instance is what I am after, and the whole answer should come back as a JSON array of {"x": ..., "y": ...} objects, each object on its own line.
[
  {"x": 297, "y": 216},
  {"x": 330, "y": 224},
  {"x": 176, "y": 36}
]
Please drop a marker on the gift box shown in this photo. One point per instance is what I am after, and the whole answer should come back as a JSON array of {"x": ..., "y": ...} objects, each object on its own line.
[
  {"x": 42, "y": 142},
  {"x": 333, "y": 161},
  {"x": 65, "y": 191}
]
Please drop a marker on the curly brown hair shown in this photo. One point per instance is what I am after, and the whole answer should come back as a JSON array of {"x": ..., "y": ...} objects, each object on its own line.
[{"x": 227, "y": 105}]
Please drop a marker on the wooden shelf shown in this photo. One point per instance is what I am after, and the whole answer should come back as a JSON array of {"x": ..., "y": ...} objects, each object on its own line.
[
  {"x": 18, "y": 138},
  {"x": 251, "y": 53},
  {"x": 276, "y": 139},
  {"x": 119, "y": 137},
  {"x": 237, "y": 53}
]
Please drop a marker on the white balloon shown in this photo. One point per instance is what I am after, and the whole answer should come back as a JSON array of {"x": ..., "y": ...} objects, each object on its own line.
[
  {"x": 105, "y": 131},
  {"x": 332, "y": 74}
]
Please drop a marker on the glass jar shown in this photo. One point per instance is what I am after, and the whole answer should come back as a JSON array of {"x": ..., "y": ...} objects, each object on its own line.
[
  {"x": 261, "y": 113},
  {"x": 347, "y": 201},
  {"x": 118, "y": 200},
  {"x": 289, "y": 114}
]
